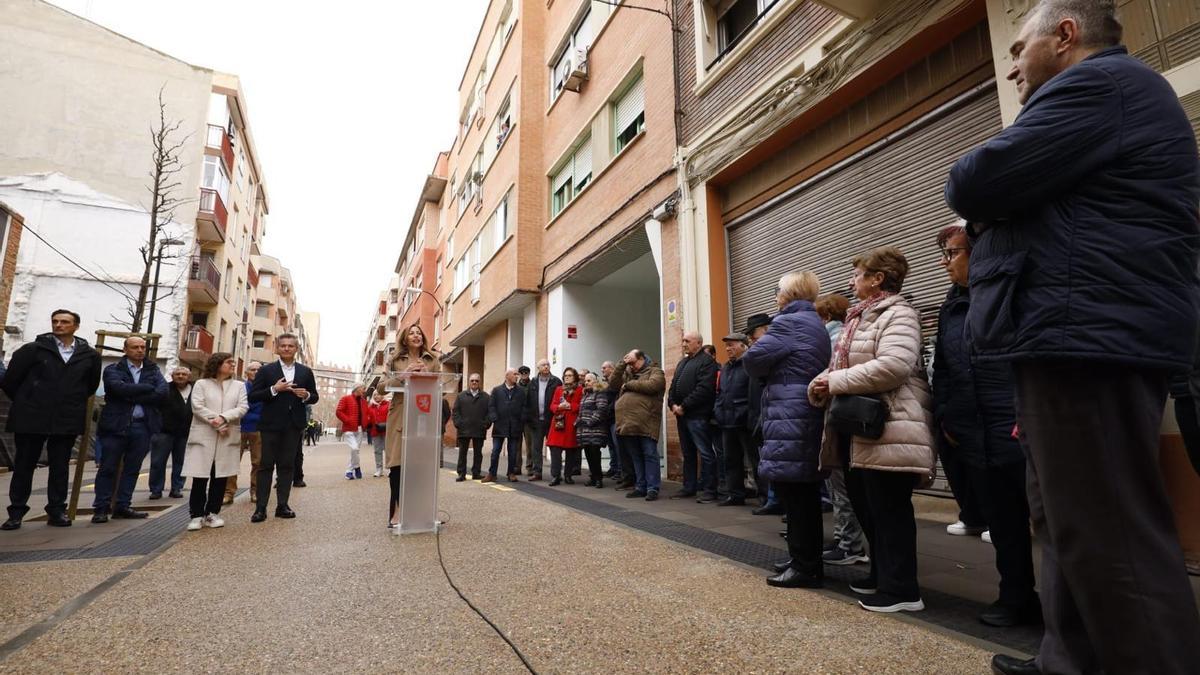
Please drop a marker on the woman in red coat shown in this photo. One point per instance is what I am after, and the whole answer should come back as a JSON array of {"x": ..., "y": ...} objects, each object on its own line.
[{"x": 565, "y": 404}]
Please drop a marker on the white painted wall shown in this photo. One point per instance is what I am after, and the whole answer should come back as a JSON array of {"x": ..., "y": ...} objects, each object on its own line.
[
  {"x": 102, "y": 234},
  {"x": 516, "y": 342},
  {"x": 556, "y": 331},
  {"x": 609, "y": 323},
  {"x": 529, "y": 336}
]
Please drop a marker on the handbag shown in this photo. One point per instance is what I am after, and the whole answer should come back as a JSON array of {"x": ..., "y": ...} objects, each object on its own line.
[
  {"x": 560, "y": 422},
  {"x": 858, "y": 415}
]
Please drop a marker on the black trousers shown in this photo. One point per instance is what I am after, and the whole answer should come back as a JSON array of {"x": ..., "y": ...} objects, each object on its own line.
[
  {"x": 970, "y": 509},
  {"x": 805, "y": 526},
  {"x": 1000, "y": 491},
  {"x": 298, "y": 466},
  {"x": 882, "y": 501},
  {"x": 592, "y": 453},
  {"x": 477, "y": 463},
  {"x": 1114, "y": 591},
  {"x": 29, "y": 450},
  {"x": 394, "y": 485},
  {"x": 741, "y": 449},
  {"x": 574, "y": 461},
  {"x": 1189, "y": 428},
  {"x": 279, "y": 451},
  {"x": 206, "y": 496}
]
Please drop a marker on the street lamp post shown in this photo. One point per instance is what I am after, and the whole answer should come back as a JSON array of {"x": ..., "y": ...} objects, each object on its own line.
[
  {"x": 157, "y": 269},
  {"x": 414, "y": 289}
]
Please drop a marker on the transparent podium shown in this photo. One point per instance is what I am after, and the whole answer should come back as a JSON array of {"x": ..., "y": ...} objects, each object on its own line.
[{"x": 422, "y": 437}]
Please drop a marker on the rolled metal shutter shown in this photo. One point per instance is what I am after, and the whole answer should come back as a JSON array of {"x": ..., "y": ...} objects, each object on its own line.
[{"x": 890, "y": 193}]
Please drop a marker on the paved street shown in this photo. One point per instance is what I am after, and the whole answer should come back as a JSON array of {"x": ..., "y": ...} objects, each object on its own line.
[{"x": 333, "y": 591}]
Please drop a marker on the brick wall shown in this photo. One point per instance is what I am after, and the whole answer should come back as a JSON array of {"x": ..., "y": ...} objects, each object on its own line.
[{"x": 8, "y": 270}]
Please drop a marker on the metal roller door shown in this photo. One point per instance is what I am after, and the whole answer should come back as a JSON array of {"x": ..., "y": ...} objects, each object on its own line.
[{"x": 889, "y": 193}]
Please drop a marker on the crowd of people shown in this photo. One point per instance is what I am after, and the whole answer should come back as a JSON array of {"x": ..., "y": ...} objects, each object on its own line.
[{"x": 1071, "y": 315}]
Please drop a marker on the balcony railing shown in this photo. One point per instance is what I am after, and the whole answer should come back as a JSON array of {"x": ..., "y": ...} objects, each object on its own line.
[
  {"x": 198, "y": 339},
  {"x": 212, "y": 209},
  {"x": 218, "y": 138},
  {"x": 204, "y": 269}
]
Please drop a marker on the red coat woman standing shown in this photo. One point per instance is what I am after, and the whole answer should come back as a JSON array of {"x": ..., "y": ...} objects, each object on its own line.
[{"x": 565, "y": 405}]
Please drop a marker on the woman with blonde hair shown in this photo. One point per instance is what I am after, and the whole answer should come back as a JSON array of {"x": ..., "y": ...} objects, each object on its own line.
[
  {"x": 413, "y": 356},
  {"x": 214, "y": 447},
  {"x": 878, "y": 426},
  {"x": 592, "y": 425},
  {"x": 792, "y": 352}
]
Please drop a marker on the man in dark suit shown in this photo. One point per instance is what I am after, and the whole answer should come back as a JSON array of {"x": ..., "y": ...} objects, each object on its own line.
[
  {"x": 49, "y": 381},
  {"x": 508, "y": 410},
  {"x": 284, "y": 388},
  {"x": 471, "y": 423},
  {"x": 541, "y": 391},
  {"x": 134, "y": 389}
]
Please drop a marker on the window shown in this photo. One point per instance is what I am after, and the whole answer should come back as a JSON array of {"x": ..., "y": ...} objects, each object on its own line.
[
  {"x": 449, "y": 304},
  {"x": 216, "y": 177},
  {"x": 499, "y": 131},
  {"x": 260, "y": 340},
  {"x": 228, "y": 280},
  {"x": 437, "y": 327},
  {"x": 461, "y": 275},
  {"x": 572, "y": 50},
  {"x": 574, "y": 175},
  {"x": 437, "y": 272},
  {"x": 476, "y": 266},
  {"x": 262, "y": 310},
  {"x": 265, "y": 280},
  {"x": 221, "y": 335},
  {"x": 500, "y": 223},
  {"x": 736, "y": 19},
  {"x": 629, "y": 115}
]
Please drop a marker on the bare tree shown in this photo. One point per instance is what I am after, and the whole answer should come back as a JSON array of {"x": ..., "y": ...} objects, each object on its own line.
[{"x": 163, "y": 187}]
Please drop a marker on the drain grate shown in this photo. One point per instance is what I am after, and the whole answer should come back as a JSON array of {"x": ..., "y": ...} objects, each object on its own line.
[{"x": 942, "y": 609}]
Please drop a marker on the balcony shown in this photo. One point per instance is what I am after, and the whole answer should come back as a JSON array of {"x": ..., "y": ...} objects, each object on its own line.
[
  {"x": 219, "y": 139},
  {"x": 204, "y": 281},
  {"x": 211, "y": 217},
  {"x": 252, "y": 275},
  {"x": 197, "y": 346}
]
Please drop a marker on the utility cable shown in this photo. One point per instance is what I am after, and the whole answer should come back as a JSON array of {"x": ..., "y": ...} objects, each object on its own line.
[
  {"x": 437, "y": 533},
  {"x": 71, "y": 260}
]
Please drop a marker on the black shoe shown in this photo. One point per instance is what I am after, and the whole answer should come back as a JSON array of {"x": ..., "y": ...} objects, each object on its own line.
[
  {"x": 299, "y": 483},
  {"x": 783, "y": 533},
  {"x": 58, "y": 520},
  {"x": 258, "y": 516},
  {"x": 888, "y": 604},
  {"x": 652, "y": 496},
  {"x": 793, "y": 578},
  {"x": 782, "y": 565},
  {"x": 590, "y": 483},
  {"x": 624, "y": 485},
  {"x": 1003, "y": 664},
  {"x": 155, "y": 495},
  {"x": 683, "y": 494},
  {"x": 1007, "y": 616},
  {"x": 11, "y": 524},
  {"x": 569, "y": 481},
  {"x": 100, "y": 517},
  {"x": 284, "y": 512},
  {"x": 706, "y": 498},
  {"x": 556, "y": 481},
  {"x": 772, "y": 510},
  {"x": 732, "y": 501},
  {"x": 475, "y": 476},
  {"x": 864, "y": 586},
  {"x": 460, "y": 478},
  {"x": 634, "y": 494},
  {"x": 599, "y": 483},
  {"x": 176, "y": 494},
  {"x": 129, "y": 514}
]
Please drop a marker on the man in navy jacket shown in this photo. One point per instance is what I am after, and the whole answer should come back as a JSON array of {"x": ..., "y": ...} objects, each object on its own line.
[
  {"x": 134, "y": 390},
  {"x": 1083, "y": 275},
  {"x": 284, "y": 388}
]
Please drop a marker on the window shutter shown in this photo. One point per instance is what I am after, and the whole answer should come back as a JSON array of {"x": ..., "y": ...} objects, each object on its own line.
[
  {"x": 561, "y": 178},
  {"x": 583, "y": 162},
  {"x": 631, "y": 105}
]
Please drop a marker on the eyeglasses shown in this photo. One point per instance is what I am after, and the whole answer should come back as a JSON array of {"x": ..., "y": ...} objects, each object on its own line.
[{"x": 949, "y": 253}]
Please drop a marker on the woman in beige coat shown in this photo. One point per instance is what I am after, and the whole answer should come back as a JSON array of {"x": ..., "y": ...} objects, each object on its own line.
[
  {"x": 214, "y": 440},
  {"x": 879, "y": 354},
  {"x": 415, "y": 356}
]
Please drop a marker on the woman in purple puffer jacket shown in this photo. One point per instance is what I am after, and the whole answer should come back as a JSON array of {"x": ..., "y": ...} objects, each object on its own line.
[{"x": 795, "y": 350}]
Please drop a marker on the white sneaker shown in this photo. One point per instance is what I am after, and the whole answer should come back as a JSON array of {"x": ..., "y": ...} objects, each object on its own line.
[
  {"x": 960, "y": 529},
  {"x": 378, "y": 473},
  {"x": 195, "y": 524},
  {"x": 212, "y": 520},
  {"x": 986, "y": 536}
]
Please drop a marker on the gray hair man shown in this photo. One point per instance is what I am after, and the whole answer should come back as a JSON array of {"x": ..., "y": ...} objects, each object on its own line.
[
  {"x": 690, "y": 399},
  {"x": 171, "y": 443},
  {"x": 1083, "y": 277},
  {"x": 470, "y": 415}
]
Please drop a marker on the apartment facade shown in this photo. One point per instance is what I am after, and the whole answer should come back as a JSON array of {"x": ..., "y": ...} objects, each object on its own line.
[
  {"x": 382, "y": 330},
  {"x": 333, "y": 382},
  {"x": 275, "y": 312}
]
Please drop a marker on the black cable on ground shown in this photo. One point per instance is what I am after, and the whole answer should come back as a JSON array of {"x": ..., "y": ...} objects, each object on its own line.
[{"x": 437, "y": 533}]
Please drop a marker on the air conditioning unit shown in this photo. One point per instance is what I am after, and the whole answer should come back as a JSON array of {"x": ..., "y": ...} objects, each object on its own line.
[{"x": 577, "y": 71}]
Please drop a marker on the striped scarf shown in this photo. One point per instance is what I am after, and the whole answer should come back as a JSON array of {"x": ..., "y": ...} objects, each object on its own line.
[{"x": 841, "y": 352}]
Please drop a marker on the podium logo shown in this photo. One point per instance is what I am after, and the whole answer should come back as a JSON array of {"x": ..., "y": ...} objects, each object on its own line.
[{"x": 424, "y": 402}]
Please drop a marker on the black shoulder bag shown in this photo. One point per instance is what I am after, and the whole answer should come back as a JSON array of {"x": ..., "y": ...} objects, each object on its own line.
[{"x": 858, "y": 415}]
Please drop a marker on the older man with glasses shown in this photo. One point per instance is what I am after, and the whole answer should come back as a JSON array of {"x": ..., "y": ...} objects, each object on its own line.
[{"x": 470, "y": 415}]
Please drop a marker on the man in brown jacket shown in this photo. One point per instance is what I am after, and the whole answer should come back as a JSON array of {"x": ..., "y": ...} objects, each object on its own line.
[{"x": 641, "y": 386}]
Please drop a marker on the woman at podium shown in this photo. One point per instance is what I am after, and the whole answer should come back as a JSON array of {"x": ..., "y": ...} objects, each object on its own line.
[{"x": 414, "y": 356}]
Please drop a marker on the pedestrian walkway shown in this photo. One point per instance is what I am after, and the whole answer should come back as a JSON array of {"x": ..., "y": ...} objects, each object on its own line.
[{"x": 333, "y": 591}]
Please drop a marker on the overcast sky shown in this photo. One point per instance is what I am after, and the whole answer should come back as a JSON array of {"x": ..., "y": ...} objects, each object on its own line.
[{"x": 350, "y": 102}]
